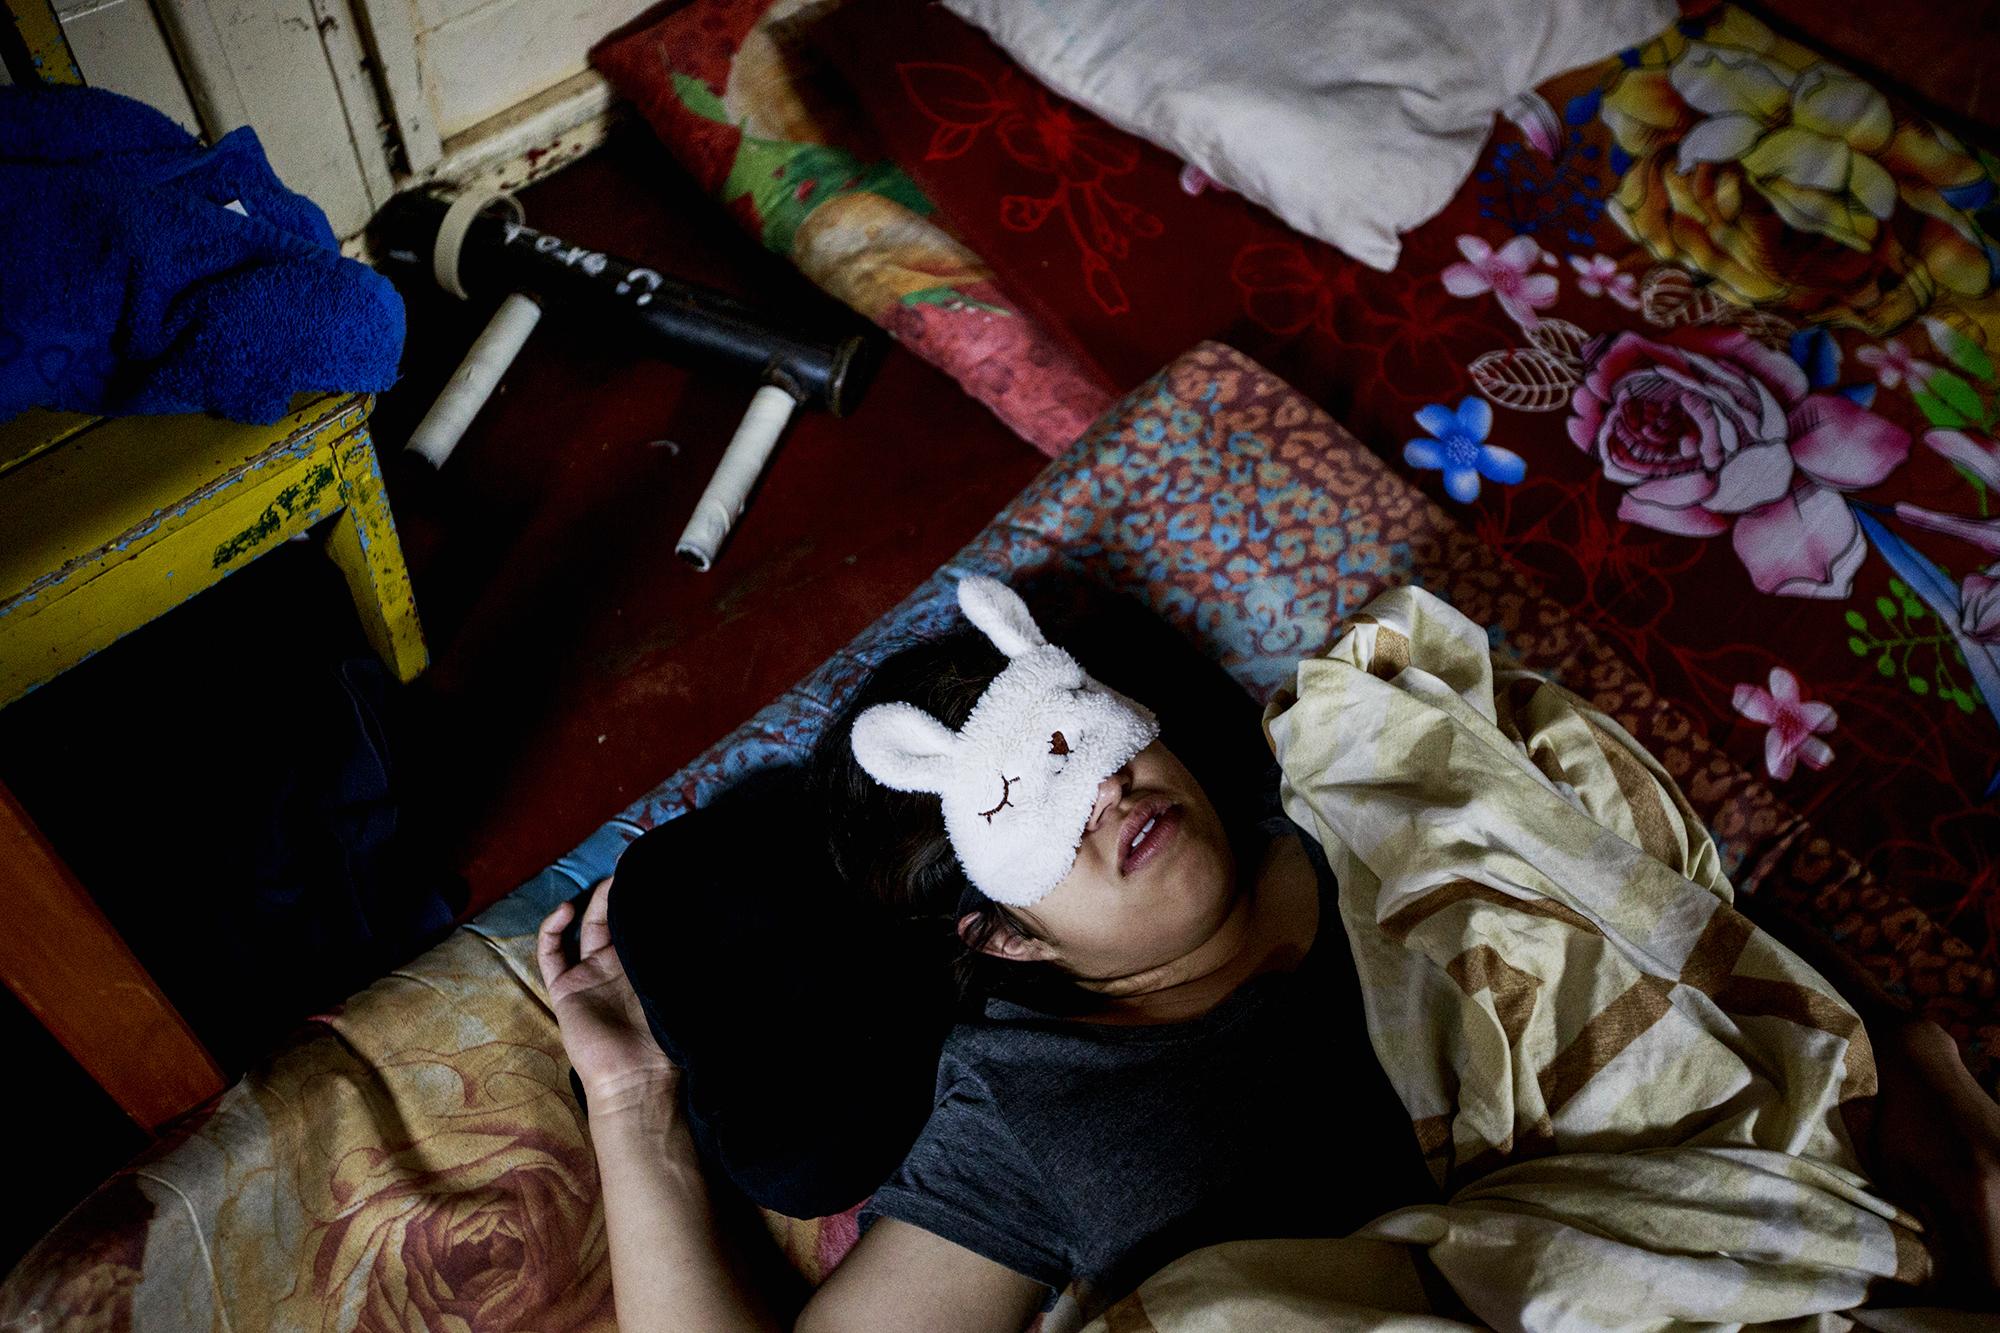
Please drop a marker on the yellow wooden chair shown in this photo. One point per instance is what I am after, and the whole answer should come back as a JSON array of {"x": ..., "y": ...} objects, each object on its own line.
[{"x": 105, "y": 524}]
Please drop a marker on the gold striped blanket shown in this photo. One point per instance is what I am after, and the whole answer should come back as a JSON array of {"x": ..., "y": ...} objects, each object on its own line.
[{"x": 1633, "y": 1099}]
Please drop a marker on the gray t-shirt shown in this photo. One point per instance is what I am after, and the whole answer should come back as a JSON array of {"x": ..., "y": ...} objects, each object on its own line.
[{"x": 1074, "y": 1150}]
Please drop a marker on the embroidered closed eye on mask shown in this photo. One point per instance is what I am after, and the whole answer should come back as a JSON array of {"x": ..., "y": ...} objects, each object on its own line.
[{"x": 1018, "y": 781}]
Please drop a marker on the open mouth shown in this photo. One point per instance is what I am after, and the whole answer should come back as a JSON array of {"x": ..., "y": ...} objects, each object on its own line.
[{"x": 1146, "y": 833}]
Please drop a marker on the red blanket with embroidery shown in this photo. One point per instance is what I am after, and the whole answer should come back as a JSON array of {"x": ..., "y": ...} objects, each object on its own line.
[{"x": 1705, "y": 346}]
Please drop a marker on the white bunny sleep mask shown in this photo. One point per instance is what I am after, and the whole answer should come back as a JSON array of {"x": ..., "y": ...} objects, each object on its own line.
[{"x": 1020, "y": 778}]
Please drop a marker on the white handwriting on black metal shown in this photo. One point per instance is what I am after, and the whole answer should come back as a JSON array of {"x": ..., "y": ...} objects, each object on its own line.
[{"x": 592, "y": 262}]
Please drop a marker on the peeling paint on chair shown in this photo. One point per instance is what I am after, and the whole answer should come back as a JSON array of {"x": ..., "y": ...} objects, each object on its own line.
[{"x": 112, "y": 523}]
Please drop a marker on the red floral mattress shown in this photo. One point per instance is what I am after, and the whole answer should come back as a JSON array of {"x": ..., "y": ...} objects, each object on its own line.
[{"x": 1705, "y": 348}]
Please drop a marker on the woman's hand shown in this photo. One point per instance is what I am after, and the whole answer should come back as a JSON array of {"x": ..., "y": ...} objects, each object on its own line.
[
  {"x": 604, "y": 1030},
  {"x": 1937, "y": 1146}
]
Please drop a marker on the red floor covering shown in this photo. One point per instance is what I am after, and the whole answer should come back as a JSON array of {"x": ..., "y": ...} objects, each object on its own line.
[{"x": 576, "y": 660}]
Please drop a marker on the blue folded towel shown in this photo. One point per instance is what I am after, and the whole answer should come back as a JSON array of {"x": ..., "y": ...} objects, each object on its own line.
[{"x": 141, "y": 272}]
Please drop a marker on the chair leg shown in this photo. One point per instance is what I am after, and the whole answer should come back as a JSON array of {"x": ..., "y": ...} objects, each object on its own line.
[
  {"x": 362, "y": 541},
  {"x": 88, "y": 990}
]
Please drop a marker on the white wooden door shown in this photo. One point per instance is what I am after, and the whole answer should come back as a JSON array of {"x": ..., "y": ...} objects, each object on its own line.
[
  {"x": 478, "y": 58},
  {"x": 120, "y": 45},
  {"x": 355, "y": 99}
]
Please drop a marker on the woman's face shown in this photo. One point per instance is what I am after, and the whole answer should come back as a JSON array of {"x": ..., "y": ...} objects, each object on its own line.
[{"x": 1153, "y": 879}]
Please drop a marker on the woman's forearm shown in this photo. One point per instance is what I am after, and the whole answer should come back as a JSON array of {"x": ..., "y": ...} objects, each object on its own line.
[{"x": 669, "y": 1267}]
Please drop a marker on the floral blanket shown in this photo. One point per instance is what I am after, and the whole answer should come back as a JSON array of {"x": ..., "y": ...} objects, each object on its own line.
[
  {"x": 1705, "y": 349},
  {"x": 415, "y": 1159}
]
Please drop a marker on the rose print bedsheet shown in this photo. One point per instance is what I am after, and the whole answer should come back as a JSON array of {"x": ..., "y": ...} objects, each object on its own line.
[
  {"x": 1705, "y": 348},
  {"x": 415, "y": 1160}
]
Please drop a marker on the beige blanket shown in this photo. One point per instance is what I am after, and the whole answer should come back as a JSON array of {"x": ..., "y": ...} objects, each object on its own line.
[{"x": 1633, "y": 1099}]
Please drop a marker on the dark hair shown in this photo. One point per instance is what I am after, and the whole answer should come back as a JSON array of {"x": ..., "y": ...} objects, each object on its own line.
[{"x": 891, "y": 847}]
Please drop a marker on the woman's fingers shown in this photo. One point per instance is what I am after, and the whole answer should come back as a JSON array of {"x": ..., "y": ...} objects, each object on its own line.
[
  {"x": 548, "y": 944},
  {"x": 596, "y": 932}
]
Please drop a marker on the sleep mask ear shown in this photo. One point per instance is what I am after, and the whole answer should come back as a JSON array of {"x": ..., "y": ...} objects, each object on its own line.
[
  {"x": 1000, "y": 614},
  {"x": 904, "y": 748},
  {"x": 1019, "y": 780}
]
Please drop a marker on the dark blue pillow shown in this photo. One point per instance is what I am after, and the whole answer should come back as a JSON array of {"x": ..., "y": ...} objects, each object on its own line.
[{"x": 807, "y": 1021}]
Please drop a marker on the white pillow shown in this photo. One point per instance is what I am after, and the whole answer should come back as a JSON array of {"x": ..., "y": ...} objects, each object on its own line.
[{"x": 1353, "y": 120}]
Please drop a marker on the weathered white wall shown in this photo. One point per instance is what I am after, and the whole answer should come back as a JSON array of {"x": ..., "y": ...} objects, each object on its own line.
[
  {"x": 354, "y": 99},
  {"x": 265, "y": 63},
  {"x": 120, "y": 45},
  {"x": 480, "y": 57}
]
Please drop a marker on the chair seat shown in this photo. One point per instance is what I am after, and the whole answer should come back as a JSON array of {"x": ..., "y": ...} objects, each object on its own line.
[{"x": 110, "y": 523}]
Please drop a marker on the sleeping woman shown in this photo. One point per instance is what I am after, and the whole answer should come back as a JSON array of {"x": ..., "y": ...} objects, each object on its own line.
[{"x": 1166, "y": 1045}]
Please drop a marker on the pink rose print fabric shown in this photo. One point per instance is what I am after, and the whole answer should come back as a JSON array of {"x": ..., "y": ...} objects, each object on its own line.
[
  {"x": 1715, "y": 433},
  {"x": 1717, "y": 294}
]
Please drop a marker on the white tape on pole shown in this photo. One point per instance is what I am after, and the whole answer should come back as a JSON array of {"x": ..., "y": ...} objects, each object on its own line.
[
  {"x": 742, "y": 463},
  {"x": 458, "y": 220},
  {"x": 475, "y": 379}
]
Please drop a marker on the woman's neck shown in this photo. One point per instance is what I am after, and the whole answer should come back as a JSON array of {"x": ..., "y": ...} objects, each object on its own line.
[{"x": 1268, "y": 929}]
